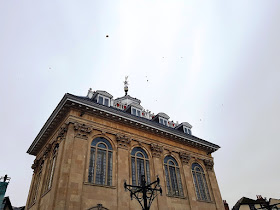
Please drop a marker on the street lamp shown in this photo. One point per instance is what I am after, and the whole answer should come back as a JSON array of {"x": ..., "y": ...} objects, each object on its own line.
[{"x": 144, "y": 194}]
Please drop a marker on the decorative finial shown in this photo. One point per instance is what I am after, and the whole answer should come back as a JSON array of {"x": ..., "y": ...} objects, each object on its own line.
[
  {"x": 5, "y": 178},
  {"x": 126, "y": 85}
]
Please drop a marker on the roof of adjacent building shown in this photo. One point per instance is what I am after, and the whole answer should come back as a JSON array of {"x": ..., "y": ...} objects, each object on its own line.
[{"x": 90, "y": 106}]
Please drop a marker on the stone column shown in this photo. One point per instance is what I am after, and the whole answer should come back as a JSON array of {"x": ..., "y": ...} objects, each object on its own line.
[
  {"x": 216, "y": 196},
  {"x": 122, "y": 168},
  {"x": 160, "y": 202}
]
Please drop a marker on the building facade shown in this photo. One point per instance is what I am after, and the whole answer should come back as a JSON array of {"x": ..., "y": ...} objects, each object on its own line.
[
  {"x": 260, "y": 203},
  {"x": 90, "y": 145}
]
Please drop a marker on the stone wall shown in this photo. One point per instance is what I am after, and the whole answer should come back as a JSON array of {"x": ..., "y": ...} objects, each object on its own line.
[{"x": 71, "y": 190}]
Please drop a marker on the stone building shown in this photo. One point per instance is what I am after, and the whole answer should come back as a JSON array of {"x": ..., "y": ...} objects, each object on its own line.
[
  {"x": 260, "y": 203},
  {"x": 90, "y": 145}
]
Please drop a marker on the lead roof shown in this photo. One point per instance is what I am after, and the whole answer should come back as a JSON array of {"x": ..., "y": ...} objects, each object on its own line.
[{"x": 53, "y": 121}]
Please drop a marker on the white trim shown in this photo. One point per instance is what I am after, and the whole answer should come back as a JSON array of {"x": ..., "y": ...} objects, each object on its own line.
[
  {"x": 187, "y": 130},
  {"x": 103, "y": 100},
  {"x": 164, "y": 121},
  {"x": 138, "y": 112}
]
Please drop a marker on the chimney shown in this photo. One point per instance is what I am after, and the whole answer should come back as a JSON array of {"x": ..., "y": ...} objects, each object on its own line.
[{"x": 90, "y": 93}]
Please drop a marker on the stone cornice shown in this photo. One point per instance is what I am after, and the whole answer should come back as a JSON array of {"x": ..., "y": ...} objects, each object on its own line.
[{"x": 86, "y": 106}]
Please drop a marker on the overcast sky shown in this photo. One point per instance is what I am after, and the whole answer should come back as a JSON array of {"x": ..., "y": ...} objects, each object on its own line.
[{"x": 214, "y": 64}]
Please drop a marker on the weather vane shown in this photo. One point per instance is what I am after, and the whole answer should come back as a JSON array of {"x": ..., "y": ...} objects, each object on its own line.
[{"x": 125, "y": 85}]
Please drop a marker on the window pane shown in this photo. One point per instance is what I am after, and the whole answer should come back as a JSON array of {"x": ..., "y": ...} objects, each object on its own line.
[
  {"x": 148, "y": 171},
  {"x": 201, "y": 186},
  {"x": 106, "y": 102},
  {"x": 179, "y": 182},
  {"x": 110, "y": 168},
  {"x": 171, "y": 162},
  {"x": 138, "y": 113},
  {"x": 133, "y": 111},
  {"x": 161, "y": 121},
  {"x": 139, "y": 149},
  {"x": 133, "y": 171},
  {"x": 100, "y": 167},
  {"x": 196, "y": 187},
  {"x": 140, "y": 169},
  {"x": 101, "y": 139},
  {"x": 52, "y": 172},
  {"x": 36, "y": 186},
  {"x": 167, "y": 180},
  {"x": 101, "y": 145},
  {"x": 139, "y": 155},
  {"x": 100, "y": 100},
  {"x": 91, "y": 165},
  {"x": 173, "y": 181},
  {"x": 206, "y": 188},
  {"x": 190, "y": 132}
]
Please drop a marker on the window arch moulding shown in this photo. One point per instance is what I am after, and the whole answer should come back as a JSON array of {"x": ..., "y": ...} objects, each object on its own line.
[
  {"x": 200, "y": 183},
  {"x": 100, "y": 162},
  {"x": 173, "y": 177},
  {"x": 140, "y": 165}
]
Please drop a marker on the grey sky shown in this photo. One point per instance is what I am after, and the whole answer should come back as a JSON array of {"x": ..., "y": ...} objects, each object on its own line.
[{"x": 214, "y": 64}]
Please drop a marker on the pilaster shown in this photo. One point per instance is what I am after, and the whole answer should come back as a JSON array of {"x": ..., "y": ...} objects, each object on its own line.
[
  {"x": 157, "y": 159},
  {"x": 76, "y": 175},
  {"x": 185, "y": 158},
  {"x": 63, "y": 166},
  {"x": 122, "y": 170},
  {"x": 209, "y": 164}
]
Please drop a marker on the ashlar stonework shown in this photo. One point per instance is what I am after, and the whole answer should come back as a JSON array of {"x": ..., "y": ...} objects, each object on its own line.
[{"x": 84, "y": 154}]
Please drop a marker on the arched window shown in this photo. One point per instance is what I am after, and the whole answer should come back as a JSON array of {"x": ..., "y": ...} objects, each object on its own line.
[
  {"x": 200, "y": 183},
  {"x": 50, "y": 170},
  {"x": 173, "y": 178},
  {"x": 36, "y": 184},
  {"x": 101, "y": 162},
  {"x": 139, "y": 166}
]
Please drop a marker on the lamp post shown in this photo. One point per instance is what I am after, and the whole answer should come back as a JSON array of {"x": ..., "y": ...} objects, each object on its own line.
[{"x": 144, "y": 194}]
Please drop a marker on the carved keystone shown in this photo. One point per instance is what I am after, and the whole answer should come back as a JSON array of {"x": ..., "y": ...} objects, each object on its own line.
[
  {"x": 208, "y": 164},
  {"x": 156, "y": 150},
  {"x": 82, "y": 130},
  {"x": 123, "y": 140},
  {"x": 98, "y": 207},
  {"x": 185, "y": 157}
]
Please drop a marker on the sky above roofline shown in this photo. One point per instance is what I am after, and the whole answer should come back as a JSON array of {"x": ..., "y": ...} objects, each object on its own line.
[{"x": 214, "y": 64}]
